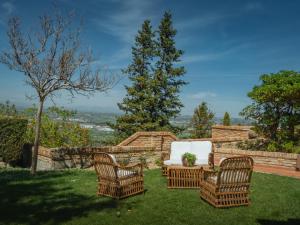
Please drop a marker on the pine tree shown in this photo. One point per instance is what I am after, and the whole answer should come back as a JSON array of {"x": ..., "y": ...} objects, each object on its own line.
[
  {"x": 167, "y": 82},
  {"x": 226, "y": 119},
  {"x": 202, "y": 121},
  {"x": 137, "y": 104},
  {"x": 152, "y": 99}
]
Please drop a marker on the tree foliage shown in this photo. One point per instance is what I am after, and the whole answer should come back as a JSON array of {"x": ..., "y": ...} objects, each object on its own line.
[
  {"x": 152, "y": 99},
  {"x": 226, "y": 119},
  {"x": 139, "y": 105},
  {"x": 167, "y": 82},
  {"x": 202, "y": 121},
  {"x": 276, "y": 108},
  {"x": 57, "y": 130},
  {"x": 7, "y": 109},
  {"x": 12, "y": 138}
]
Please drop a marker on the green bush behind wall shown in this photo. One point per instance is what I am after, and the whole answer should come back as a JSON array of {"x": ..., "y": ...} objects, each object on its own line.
[{"x": 12, "y": 138}]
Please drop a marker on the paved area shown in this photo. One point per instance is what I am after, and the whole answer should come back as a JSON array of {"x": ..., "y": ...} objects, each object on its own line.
[{"x": 277, "y": 170}]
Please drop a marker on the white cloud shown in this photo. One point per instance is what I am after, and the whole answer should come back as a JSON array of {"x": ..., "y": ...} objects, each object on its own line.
[
  {"x": 253, "y": 6},
  {"x": 193, "y": 58},
  {"x": 6, "y": 9},
  {"x": 125, "y": 22},
  {"x": 200, "y": 22},
  {"x": 202, "y": 95}
]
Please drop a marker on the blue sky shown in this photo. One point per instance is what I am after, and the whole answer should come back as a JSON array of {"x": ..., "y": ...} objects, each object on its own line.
[{"x": 227, "y": 45}]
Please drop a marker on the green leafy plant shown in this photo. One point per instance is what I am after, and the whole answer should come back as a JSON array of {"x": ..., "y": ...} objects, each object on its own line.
[
  {"x": 189, "y": 159},
  {"x": 58, "y": 133},
  {"x": 275, "y": 109},
  {"x": 12, "y": 138},
  {"x": 158, "y": 162},
  {"x": 143, "y": 161}
]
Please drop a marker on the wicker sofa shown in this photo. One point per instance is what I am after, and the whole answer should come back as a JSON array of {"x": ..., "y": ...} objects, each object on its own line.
[{"x": 202, "y": 149}]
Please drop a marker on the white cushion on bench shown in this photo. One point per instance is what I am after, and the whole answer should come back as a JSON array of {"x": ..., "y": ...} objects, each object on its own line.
[
  {"x": 200, "y": 148},
  {"x": 170, "y": 162},
  {"x": 178, "y": 148}
]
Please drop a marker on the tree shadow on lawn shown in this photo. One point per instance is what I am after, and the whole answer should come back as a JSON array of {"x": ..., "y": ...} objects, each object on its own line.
[
  {"x": 35, "y": 200},
  {"x": 278, "y": 222}
]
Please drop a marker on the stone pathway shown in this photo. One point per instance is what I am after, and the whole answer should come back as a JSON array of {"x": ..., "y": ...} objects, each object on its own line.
[{"x": 277, "y": 170}]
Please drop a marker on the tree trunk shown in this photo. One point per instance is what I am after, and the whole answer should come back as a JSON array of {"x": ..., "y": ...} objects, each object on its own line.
[{"x": 37, "y": 137}]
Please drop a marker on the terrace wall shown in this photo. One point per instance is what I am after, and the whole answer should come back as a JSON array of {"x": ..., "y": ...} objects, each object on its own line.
[
  {"x": 274, "y": 159},
  {"x": 237, "y": 132},
  {"x": 153, "y": 145},
  {"x": 61, "y": 158}
]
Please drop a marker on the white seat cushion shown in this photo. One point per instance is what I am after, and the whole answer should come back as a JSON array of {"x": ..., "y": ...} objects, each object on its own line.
[
  {"x": 124, "y": 173},
  {"x": 212, "y": 179},
  {"x": 172, "y": 162}
]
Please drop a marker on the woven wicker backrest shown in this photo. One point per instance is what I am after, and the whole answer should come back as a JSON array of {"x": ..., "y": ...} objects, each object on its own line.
[
  {"x": 235, "y": 170},
  {"x": 105, "y": 166}
]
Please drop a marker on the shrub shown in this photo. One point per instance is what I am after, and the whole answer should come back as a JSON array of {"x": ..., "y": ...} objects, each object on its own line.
[
  {"x": 190, "y": 158},
  {"x": 59, "y": 133},
  {"x": 12, "y": 138}
]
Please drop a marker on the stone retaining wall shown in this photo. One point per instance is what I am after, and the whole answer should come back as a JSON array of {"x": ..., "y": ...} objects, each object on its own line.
[
  {"x": 237, "y": 132},
  {"x": 61, "y": 158},
  {"x": 151, "y": 146},
  {"x": 277, "y": 159}
]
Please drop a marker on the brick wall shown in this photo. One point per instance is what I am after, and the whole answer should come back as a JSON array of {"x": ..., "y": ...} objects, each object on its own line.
[
  {"x": 236, "y": 132},
  {"x": 278, "y": 159},
  {"x": 61, "y": 158},
  {"x": 161, "y": 141},
  {"x": 152, "y": 145}
]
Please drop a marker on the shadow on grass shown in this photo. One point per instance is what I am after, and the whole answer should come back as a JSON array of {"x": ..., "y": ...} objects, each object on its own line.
[
  {"x": 276, "y": 222},
  {"x": 41, "y": 199}
]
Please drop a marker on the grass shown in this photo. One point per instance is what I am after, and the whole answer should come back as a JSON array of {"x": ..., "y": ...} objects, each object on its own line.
[{"x": 68, "y": 197}]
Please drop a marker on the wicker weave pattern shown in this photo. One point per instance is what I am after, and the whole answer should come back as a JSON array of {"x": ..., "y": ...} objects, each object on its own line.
[
  {"x": 117, "y": 181},
  {"x": 185, "y": 177},
  {"x": 230, "y": 186}
]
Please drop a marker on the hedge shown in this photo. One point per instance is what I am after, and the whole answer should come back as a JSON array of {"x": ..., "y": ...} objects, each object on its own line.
[{"x": 12, "y": 138}]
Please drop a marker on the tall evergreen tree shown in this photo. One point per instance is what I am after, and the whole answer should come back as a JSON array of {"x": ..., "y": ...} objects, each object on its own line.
[
  {"x": 226, "y": 119},
  {"x": 137, "y": 104},
  {"x": 152, "y": 99},
  {"x": 202, "y": 121},
  {"x": 167, "y": 82}
]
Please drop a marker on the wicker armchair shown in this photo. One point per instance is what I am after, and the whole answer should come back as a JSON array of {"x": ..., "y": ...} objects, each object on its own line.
[
  {"x": 117, "y": 181},
  {"x": 230, "y": 186}
]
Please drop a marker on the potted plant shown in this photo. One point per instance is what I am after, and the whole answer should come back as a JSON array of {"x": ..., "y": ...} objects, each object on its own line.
[{"x": 188, "y": 159}]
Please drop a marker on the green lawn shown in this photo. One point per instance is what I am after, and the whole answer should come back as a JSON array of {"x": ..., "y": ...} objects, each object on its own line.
[{"x": 68, "y": 197}]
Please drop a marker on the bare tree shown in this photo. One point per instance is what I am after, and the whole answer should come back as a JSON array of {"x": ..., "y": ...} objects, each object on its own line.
[{"x": 52, "y": 60}]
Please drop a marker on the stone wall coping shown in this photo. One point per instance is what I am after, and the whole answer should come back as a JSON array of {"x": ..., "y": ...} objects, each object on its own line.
[
  {"x": 245, "y": 128},
  {"x": 266, "y": 154},
  {"x": 145, "y": 133},
  {"x": 55, "y": 152},
  {"x": 214, "y": 140}
]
